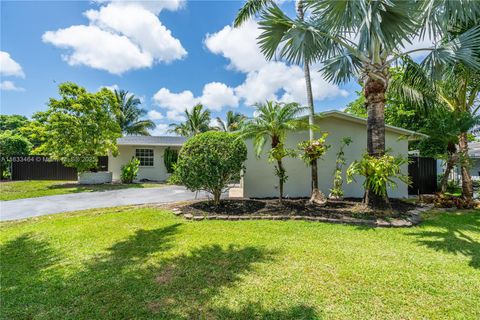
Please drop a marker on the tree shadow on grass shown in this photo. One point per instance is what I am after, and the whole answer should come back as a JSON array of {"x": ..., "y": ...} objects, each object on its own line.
[
  {"x": 25, "y": 264},
  {"x": 134, "y": 279},
  {"x": 452, "y": 236}
]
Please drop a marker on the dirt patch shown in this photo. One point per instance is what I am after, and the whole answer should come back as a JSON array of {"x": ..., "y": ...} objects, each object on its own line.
[{"x": 335, "y": 209}]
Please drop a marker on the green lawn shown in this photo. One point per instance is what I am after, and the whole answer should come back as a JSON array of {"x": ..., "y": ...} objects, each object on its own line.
[
  {"x": 145, "y": 263},
  {"x": 38, "y": 188}
]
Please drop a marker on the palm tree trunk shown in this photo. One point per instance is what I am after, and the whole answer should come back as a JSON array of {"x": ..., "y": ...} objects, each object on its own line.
[
  {"x": 375, "y": 102},
  {"x": 467, "y": 183},
  {"x": 311, "y": 115},
  {"x": 451, "y": 160}
]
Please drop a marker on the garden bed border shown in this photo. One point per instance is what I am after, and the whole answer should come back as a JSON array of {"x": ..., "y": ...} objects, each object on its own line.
[{"x": 411, "y": 221}]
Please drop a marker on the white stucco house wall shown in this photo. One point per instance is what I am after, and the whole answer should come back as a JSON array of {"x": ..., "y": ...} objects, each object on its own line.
[
  {"x": 259, "y": 179},
  {"x": 149, "y": 150}
]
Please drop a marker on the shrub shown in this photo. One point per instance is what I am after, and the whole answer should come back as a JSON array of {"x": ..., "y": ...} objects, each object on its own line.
[
  {"x": 210, "y": 161},
  {"x": 130, "y": 170},
  {"x": 170, "y": 157},
  {"x": 379, "y": 172}
]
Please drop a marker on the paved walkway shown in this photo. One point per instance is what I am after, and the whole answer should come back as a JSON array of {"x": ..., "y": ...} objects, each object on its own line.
[{"x": 32, "y": 207}]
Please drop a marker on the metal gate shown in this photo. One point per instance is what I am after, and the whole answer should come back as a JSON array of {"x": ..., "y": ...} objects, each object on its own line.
[
  {"x": 423, "y": 175},
  {"x": 43, "y": 168}
]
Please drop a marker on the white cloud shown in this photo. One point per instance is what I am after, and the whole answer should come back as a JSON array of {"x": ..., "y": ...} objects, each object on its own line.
[
  {"x": 175, "y": 103},
  {"x": 215, "y": 96},
  {"x": 155, "y": 115},
  {"x": 239, "y": 45},
  {"x": 113, "y": 87},
  {"x": 121, "y": 36},
  {"x": 10, "y": 86},
  {"x": 154, "y": 6},
  {"x": 9, "y": 67},
  {"x": 265, "y": 80},
  {"x": 160, "y": 130}
]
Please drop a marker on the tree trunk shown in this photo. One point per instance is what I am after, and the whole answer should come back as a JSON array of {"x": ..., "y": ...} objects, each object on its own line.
[
  {"x": 375, "y": 102},
  {"x": 280, "y": 180},
  {"x": 450, "y": 164},
  {"x": 216, "y": 197},
  {"x": 311, "y": 115},
  {"x": 467, "y": 183}
]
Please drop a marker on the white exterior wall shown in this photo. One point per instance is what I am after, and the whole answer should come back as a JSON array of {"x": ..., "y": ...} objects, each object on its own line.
[
  {"x": 259, "y": 179},
  {"x": 125, "y": 153}
]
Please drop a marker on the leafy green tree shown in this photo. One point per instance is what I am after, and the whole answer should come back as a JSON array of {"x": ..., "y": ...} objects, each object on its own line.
[
  {"x": 273, "y": 121},
  {"x": 79, "y": 127},
  {"x": 443, "y": 129},
  {"x": 129, "y": 114},
  {"x": 234, "y": 122},
  {"x": 210, "y": 161},
  {"x": 12, "y": 122},
  {"x": 456, "y": 89},
  {"x": 197, "y": 121},
  {"x": 381, "y": 28},
  {"x": 11, "y": 144},
  {"x": 252, "y": 8}
]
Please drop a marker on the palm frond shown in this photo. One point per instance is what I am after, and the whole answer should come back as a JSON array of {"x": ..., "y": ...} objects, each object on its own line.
[{"x": 250, "y": 9}]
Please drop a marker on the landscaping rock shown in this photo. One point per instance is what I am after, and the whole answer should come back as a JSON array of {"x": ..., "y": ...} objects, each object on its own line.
[
  {"x": 188, "y": 216},
  {"x": 198, "y": 218}
]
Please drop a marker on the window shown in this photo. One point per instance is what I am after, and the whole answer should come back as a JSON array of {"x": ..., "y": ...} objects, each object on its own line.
[{"x": 145, "y": 156}]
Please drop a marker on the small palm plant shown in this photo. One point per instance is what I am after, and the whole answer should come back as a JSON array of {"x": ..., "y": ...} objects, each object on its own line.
[{"x": 273, "y": 121}]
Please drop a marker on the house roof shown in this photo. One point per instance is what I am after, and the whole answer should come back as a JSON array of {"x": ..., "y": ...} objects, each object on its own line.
[
  {"x": 350, "y": 117},
  {"x": 151, "y": 141}
]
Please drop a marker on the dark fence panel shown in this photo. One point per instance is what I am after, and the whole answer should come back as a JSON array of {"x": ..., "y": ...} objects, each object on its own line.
[
  {"x": 423, "y": 174},
  {"x": 42, "y": 168}
]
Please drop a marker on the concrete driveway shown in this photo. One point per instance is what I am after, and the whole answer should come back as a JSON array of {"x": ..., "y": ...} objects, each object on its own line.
[{"x": 33, "y": 207}]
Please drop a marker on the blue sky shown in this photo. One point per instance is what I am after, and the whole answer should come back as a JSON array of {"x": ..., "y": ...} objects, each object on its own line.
[{"x": 172, "y": 54}]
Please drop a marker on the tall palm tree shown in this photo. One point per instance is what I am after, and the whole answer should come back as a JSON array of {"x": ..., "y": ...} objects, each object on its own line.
[
  {"x": 252, "y": 8},
  {"x": 363, "y": 38},
  {"x": 197, "y": 121},
  {"x": 129, "y": 114},
  {"x": 273, "y": 121},
  {"x": 234, "y": 122},
  {"x": 456, "y": 89}
]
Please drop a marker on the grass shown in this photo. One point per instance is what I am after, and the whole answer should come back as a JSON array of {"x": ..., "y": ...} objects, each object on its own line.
[
  {"x": 145, "y": 263},
  {"x": 38, "y": 188}
]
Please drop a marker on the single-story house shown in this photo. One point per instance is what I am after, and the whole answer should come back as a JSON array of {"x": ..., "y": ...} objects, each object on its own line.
[
  {"x": 259, "y": 180},
  {"x": 149, "y": 150}
]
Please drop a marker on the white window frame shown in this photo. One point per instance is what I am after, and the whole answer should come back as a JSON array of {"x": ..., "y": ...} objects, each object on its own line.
[{"x": 141, "y": 154}]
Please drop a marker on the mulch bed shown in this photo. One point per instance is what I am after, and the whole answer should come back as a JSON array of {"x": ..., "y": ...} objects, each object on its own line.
[{"x": 351, "y": 211}]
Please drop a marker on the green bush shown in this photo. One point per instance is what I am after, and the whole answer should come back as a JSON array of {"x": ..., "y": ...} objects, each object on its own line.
[
  {"x": 379, "y": 172},
  {"x": 130, "y": 170},
  {"x": 210, "y": 161},
  {"x": 170, "y": 157}
]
